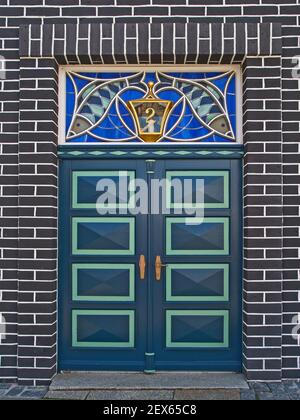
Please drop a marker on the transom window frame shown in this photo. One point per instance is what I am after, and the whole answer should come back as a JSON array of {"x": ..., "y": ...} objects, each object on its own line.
[{"x": 64, "y": 69}]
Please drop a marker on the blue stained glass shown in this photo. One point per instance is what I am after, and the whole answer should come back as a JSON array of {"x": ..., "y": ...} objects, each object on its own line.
[
  {"x": 85, "y": 139},
  {"x": 194, "y": 76},
  {"x": 170, "y": 95},
  {"x": 131, "y": 95},
  {"x": 107, "y": 76},
  {"x": 107, "y": 131},
  {"x": 189, "y": 127},
  {"x": 150, "y": 77},
  {"x": 233, "y": 123},
  {"x": 232, "y": 87},
  {"x": 171, "y": 122},
  {"x": 198, "y": 106},
  {"x": 231, "y": 104},
  {"x": 70, "y": 105},
  {"x": 70, "y": 87},
  {"x": 188, "y": 132},
  {"x": 80, "y": 83},
  {"x": 112, "y": 127},
  {"x": 174, "y": 116},
  {"x": 221, "y": 83},
  {"x": 68, "y": 119},
  {"x": 126, "y": 116},
  {"x": 189, "y": 121},
  {"x": 216, "y": 139},
  {"x": 177, "y": 110}
]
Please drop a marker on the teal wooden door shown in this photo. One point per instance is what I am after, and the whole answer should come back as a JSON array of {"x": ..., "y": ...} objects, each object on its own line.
[
  {"x": 197, "y": 323},
  {"x": 102, "y": 298},
  {"x": 188, "y": 318}
]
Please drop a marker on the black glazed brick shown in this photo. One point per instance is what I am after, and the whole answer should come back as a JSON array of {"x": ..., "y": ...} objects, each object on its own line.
[{"x": 271, "y": 139}]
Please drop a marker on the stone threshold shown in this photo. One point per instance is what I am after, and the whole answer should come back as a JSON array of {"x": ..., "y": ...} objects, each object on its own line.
[{"x": 130, "y": 381}]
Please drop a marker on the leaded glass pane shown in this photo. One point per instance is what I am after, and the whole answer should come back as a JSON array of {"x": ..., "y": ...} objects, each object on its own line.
[{"x": 151, "y": 107}]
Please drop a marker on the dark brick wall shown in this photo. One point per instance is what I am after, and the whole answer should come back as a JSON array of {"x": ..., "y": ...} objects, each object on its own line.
[{"x": 29, "y": 179}]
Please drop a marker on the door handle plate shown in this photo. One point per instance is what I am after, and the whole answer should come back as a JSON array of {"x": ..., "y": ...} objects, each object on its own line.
[
  {"x": 158, "y": 267},
  {"x": 142, "y": 265}
]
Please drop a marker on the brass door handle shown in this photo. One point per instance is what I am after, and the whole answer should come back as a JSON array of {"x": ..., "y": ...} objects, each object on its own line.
[
  {"x": 142, "y": 265},
  {"x": 158, "y": 267}
]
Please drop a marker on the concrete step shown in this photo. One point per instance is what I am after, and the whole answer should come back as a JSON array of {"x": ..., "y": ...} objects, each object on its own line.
[{"x": 127, "y": 381}]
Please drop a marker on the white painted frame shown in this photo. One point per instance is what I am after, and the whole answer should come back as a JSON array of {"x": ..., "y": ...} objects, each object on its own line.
[{"x": 166, "y": 68}]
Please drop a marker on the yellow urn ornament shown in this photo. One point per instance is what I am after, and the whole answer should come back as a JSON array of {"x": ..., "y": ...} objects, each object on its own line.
[{"x": 150, "y": 115}]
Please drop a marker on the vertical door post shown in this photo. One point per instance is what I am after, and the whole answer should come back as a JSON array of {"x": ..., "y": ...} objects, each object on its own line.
[{"x": 150, "y": 355}]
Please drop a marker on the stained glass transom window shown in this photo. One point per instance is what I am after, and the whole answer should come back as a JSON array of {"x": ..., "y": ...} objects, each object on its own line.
[{"x": 151, "y": 107}]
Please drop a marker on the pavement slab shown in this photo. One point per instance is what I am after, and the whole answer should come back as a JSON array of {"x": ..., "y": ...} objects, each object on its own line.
[
  {"x": 208, "y": 395},
  {"x": 3, "y": 392},
  {"x": 5, "y": 386},
  {"x": 259, "y": 387},
  {"x": 66, "y": 395},
  {"x": 276, "y": 387},
  {"x": 248, "y": 395},
  {"x": 294, "y": 397},
  {"x": 34, "y": 394},
  {"x": 14, "y": 391},
  {"x": 291, "y": 386},
  {"x": 266, "y": 396},
  {"x": 131, "y": 395}
]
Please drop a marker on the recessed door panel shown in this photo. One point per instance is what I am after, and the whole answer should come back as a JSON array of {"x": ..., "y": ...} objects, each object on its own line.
[
  {"x": 197, "y": 329},
  {"x": 86, "y": 186},
  {"x": 209, "y": 236},
  {"x": 197, "y": 282},
  {"x": 211, "y": 186},
  {"x": 103, "y": 282},
  {"x": 103, "y": 329},
  {"x": 103, "y": 235}
]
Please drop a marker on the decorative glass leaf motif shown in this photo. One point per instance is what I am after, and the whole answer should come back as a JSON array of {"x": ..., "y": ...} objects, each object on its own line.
[
  {"x": 206, "y": 101},
  {"x": 105, "y": 107}
]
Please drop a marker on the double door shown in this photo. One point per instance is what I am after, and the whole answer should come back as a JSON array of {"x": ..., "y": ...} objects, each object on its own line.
[{"x": 147, "y": 286}]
